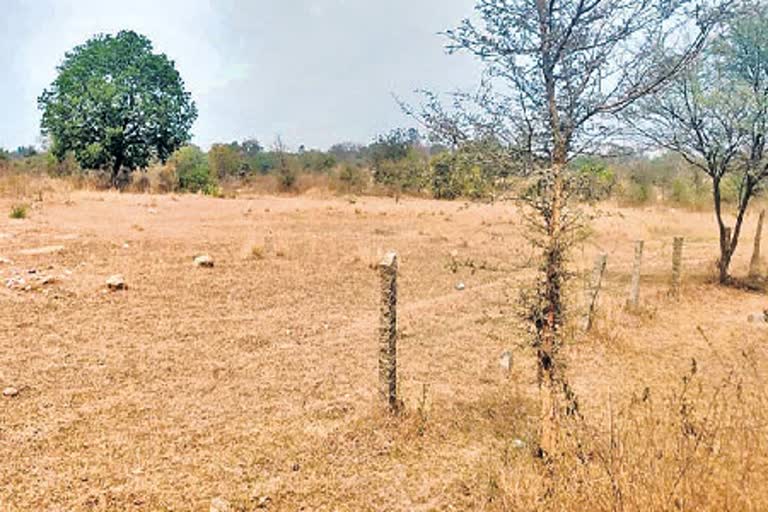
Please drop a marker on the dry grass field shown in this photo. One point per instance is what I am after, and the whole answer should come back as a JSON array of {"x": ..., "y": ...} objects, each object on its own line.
[{"x": 255, "y": 381}]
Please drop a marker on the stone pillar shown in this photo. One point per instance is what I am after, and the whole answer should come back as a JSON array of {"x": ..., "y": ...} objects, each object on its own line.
[
  {"x": 594, "y": 289},
  {"x": 634, "y": 289},
  {"x": 677, "y": 264},
  {"x": 388, "y": 331}
]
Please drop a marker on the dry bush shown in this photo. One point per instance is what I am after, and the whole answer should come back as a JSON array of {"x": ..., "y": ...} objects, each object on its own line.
[
  {"x": 701, "y": 445},
  {"x": 28, "y": 186},
  {"x": 313, "y": 184},
  {"x": 157, "y": 179}
]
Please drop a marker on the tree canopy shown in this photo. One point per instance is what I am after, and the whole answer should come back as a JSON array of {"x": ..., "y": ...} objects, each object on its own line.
[{"x": 116, "y": 105}]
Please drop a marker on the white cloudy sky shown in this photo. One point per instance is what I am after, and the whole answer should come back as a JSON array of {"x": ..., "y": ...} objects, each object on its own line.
[{"x": 313, "y": 71}]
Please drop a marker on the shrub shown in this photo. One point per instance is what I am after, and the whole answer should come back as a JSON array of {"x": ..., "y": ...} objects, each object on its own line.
[
  {"x": 351, "y": 178},
  {"x": 224, "y": 161},
  {"x": 19, "y": 211},
  {"x": 595, "y": 180},
  {"x": 636, "y": 190},
  {"x": 410, "y": 173},
  {"x": 193, "y": 172},
  {"x": 287, "y": 175},
  {"x": 460, "y": 174}
]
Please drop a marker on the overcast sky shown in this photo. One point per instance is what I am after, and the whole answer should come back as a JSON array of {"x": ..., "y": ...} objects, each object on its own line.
[{"x": 313, "y": 71}]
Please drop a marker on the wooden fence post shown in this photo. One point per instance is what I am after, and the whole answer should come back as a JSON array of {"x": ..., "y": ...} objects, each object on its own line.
[
  {"x": 388, "y": 331},
  {"x": 677, "y": 262},
  {"x": 754, "y": 265},
  {"x": 594, "y": 289},
  {"x": 634, "y": 290}
]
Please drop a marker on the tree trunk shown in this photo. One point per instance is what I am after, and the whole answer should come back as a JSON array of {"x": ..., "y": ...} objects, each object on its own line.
[
  {"x": 724, "y": 262},
  {"x": 754, "y": 265},
  {"x": 549, "y": 331},
  {"x": 115, "y": 181}
]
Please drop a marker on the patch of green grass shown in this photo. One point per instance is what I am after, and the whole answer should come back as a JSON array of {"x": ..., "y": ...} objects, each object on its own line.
[{"x": 19, "y": 211}]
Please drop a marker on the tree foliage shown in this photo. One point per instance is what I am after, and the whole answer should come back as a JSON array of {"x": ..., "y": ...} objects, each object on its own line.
[
  {"x": 716, "y": 117},
  {"x": 555, "y": 71},
  {"x": 117, "y": 105}
]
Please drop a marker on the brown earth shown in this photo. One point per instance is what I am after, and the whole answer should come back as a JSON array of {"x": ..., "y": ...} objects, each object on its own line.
[{"x": 255, "y": 380}]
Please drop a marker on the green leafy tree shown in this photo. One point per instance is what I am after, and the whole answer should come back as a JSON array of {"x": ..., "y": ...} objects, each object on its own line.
[
  {"x": 225, "y": 160},
  {"x": 192, "y": 170},
  {"x": 116, "y": 105}
]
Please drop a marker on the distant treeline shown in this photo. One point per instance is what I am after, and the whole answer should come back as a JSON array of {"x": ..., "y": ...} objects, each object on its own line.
[{"x": 399, "y": 162}]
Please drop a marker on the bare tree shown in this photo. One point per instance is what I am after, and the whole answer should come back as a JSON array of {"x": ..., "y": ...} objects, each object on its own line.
[
  {"x": 716, "y": 116},
  {"x": 554, "y": 70}
]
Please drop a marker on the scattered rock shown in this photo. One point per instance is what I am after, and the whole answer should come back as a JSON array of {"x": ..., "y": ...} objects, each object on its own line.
[
  {"x": 5, "y": 261},
  {"x": 461, "y": 286},
  {"x": 758, "y": 318},
  {"x": 518, "y": 444},
  {"x": 505, "y": 361},
  {"x": 10, "y": 392},
  {"x": 116, "y": 282},
  {"x": 263, "y": 502},
  {"x": 15, "y": 282},
  {"x": 203, "y": 260},
  {"x": 220, "y": 505},
  {"x": 50, "y": 249}
]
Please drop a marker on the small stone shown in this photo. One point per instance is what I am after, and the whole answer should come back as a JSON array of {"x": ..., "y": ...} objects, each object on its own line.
[
  {"x": 203, "y": 260},
  {"x": 263, "y": 502},
  {"x": 15, "y": 282},
  {"x": 51, "y": 249},
  {"x": 220, "y": 505},
  {"x": 116, "y": 282},
  {"x": 518, "y": 444},
  {"x": 505, "y": 361},
  {"x": 46, "y": 280},
  {"x": 461, "y": 286},
  {"x": 152, "y": 211},
  {"x": 10, "y": 392},
  {"x": 5, "y": 261},
  {"x": 757, "y": 318}
]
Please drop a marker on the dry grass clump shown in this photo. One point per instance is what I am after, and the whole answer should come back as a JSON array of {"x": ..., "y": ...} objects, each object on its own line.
[
  {"x": 696, "y": 446},
  {"x": 258, "y": 252}
]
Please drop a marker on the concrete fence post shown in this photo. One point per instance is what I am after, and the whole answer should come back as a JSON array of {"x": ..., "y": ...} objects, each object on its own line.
[
  {"x": 594, "y": 289},
  {"x": 677, "y": 264},
  {"x": 634, "y": 289},
  {"x": 388, "y": 331},
  {"x": 754, "y": 265}
]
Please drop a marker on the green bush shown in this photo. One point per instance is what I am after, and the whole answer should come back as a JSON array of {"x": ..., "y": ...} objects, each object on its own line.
[
  {"x": 193, "y": 172},
  {"x": 409, "y": 173},
  {"x": 638, "y": 190},
  {"x": 19, "y": 211},
  {"x": 351, "y": 177},
  {"x": 287, "y": 174},
  {"x": 595, "y": 181},
  {"x": 729, "y": 188},
  {"x": 225, "y": 161},
  {"x": 459, "y": 175}
]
